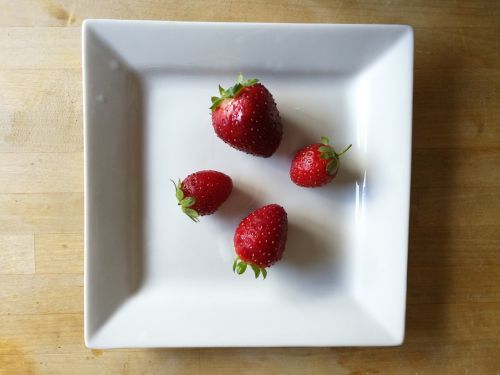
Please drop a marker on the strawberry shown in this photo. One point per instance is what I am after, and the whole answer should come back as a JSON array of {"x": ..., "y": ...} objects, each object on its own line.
[
  {"x": 245, "y": 116},
  {"x": 259, "y": 240},
  {"x": 315, "y": 165},
  {"x": 202, "y": 193}
]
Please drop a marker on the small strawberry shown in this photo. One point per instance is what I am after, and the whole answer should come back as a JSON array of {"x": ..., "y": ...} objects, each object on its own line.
[
  {"x": 245, "y": 116},
  {"x": 202, "y": 193},
  {"x": 259, "y": 240},
  {"x": 315, "y": 165}
]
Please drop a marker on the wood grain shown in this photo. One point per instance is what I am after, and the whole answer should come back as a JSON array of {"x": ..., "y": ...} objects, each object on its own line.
[
  {"x": 444, "y": 245},
  {"x": 59, "y": 253},
  {"x": 453, "y": 312},
  {"x": 447, "y": 13},
  {"x": 41, "y": 172},
  {"x": 42, "y": 48},
  {"x": 111, "y": 363},
  {"x": 457, "y": 206},
  {"x": 17, "y": 254},
  {"x": 41, "y": 212},
  {"x": 460, "y": 168},
  {"x": 41, "y": 294},
  {"x": 41, "y": 109}
]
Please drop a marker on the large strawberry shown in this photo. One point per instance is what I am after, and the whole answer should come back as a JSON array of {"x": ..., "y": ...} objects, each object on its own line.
[
  {"x": 245, "y": 116},
  {"x": 202, "y": 193},
  {"x": 315, "y": 165},
  {"x": 260, "y": 238}
]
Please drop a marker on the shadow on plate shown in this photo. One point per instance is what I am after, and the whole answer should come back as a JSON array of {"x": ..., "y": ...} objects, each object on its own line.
[
  {"x": 295, "y": 136},
  {"x": 312, "y": 263},
  {"x": 239, "y": 204},
  {"x": 115, "y": 261}
]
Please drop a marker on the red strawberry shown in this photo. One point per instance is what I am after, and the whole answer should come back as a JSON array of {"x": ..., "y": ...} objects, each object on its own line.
[
  {"x": 315, "y": 165},
  {"x": 260, "y": 239},
  {"x": 202, "y": 193},
  {"x": 246, "y": 117}
]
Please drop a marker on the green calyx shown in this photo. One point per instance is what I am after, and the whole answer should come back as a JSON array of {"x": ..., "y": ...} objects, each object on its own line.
[
  {"x": 233, "y": 91},
  {"x": 185, "y": 202},
  {"x": 240, "y": 266},
  {"x": 327, "y": 152}
]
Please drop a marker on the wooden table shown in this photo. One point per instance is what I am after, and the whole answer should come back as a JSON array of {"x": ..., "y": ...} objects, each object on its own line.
[{"x": 453, "y": 315}]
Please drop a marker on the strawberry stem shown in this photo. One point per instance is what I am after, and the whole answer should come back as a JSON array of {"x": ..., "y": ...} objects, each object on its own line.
[
  {"x": 345, "y": 150},
  {"x": 327, "y": 152}
]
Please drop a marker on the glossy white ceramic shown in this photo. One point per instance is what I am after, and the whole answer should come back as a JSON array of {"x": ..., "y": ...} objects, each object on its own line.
[{"x": 153, "y": 278}]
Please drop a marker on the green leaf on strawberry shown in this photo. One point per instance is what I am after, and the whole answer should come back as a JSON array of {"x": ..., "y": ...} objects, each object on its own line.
[
  {"x": 256, "y": 270},
  {"x": 185, "y": 202},
  {"x": 327, "y": 152},
  {"x": 240, "y": 266},
  {"x": 264, "y": 273},
  {"x": 235, "y": 263},
  {"x": 332, "y": 166},
  {"x": 232, "y": 91},
  {"x": 179, "y": 194},
  {"x": 192, "y": 214}
]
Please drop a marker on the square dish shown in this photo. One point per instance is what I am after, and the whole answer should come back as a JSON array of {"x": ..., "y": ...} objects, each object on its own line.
[{"x": 155, "y": 279}]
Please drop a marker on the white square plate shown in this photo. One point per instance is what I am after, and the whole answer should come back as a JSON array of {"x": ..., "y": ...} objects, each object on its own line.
[{"x": 153, "y": 278}]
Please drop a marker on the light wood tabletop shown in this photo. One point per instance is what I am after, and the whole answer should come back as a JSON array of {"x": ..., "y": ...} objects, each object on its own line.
[{"x": 453, "y": 312}]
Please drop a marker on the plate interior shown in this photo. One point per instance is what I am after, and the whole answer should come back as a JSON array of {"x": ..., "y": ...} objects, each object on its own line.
[{"x": 154, "y": 278}]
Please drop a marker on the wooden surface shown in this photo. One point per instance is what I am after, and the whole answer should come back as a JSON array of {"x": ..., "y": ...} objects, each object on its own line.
[{"x": 453, "y": 315}]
